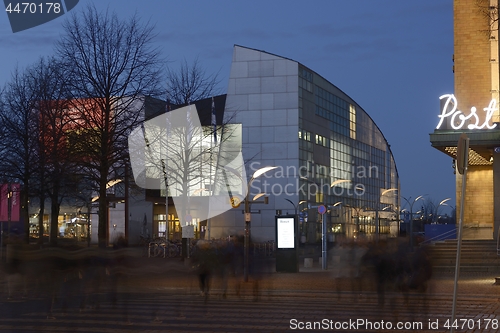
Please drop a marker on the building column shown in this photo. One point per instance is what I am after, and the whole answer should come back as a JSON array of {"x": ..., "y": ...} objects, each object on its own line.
[{"x": 496, "y": 194}]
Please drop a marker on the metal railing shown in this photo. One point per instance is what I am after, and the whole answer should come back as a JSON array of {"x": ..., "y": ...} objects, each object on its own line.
[
  {"x": 266, "y": 249},
  {"x": 439, "y": 237},
  {"x": 450, "y": 232}
]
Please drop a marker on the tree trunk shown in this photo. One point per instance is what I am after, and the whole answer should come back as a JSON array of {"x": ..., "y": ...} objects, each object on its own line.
[
  {"x": 40, "y": 220},
  {"x": 54, "y": 217},
  {"x": 25, "y": 217},
  {"x": 102, "y": 232}
]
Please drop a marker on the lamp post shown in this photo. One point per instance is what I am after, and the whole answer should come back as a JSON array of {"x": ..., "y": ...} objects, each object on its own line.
[
  {"x": 296, "y": 227},
  {"x": 324, "y": 244},
  {"x": 411, "y": 216},
  {"x": 324, "y": 227},
  {"x": 248, "y": 216},
  {"x": 377, "y": 219},
  {"x": 295, "y": 207},
  {"x": 357, "y": 210},
  {"x": 443, "y": 202},
  {"x": 296, "y": 210}
]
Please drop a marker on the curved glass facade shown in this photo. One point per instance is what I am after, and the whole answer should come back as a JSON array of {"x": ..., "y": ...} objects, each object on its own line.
[
  {"x": 339, "y": 141},
  {"x": 317, "y": 136}
]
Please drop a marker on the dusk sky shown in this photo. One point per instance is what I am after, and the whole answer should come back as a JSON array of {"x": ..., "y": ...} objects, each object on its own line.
[{"x": 393, "y": 57}]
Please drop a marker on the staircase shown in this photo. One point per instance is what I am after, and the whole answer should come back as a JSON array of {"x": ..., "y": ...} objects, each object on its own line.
[{"x": 477, "y": 256}]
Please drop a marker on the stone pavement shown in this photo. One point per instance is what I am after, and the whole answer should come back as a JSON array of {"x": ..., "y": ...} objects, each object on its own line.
[{"x": 162, "y": 295}]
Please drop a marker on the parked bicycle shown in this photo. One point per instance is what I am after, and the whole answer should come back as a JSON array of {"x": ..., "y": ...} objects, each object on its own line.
[
  {"x": 155, "y": 250},
  {"x": 160, "y": 247}
]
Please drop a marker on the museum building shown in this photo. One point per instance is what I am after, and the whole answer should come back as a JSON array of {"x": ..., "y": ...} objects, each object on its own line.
[{"x": 315, "y": 135}]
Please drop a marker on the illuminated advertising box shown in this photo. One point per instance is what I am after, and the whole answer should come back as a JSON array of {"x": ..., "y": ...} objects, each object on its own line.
[
  {"x": 287, "y": 259},
  {"x": 285, "y": 232}
]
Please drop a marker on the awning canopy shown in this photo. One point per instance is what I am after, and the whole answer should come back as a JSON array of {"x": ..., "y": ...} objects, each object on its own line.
[{"x": 482, "y": 144}]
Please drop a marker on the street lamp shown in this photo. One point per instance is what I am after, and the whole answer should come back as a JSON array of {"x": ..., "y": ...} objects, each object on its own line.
[
  {"x": 324, "y": 246},
  {"x": 248, "y": 215},
  {"x": 443, "y": 202},
  {"x": 296, "y": 221},
  {"x": 434, "y": 213},
  {"x": 377, "y": 219},
  {"x": 411, "y": 216},
  {"x": 357, "y": 210},
  {"x": 324, "y": 227}
]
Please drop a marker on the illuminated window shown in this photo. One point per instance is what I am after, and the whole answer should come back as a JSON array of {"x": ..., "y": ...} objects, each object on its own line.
[
  {"x": 305, "y": 135},
  {"x": 352, "y": 118},
  {"x": 162, "y": 227},
  {"x": 321, "y": 140},
  {"x": 319, "y": 197}
]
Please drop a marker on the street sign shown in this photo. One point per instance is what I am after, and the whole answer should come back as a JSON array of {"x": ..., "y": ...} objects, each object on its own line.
[
  {"x": 252, "y": 211},
  {"x": 462, "y": 153},
  {"x": 235, "y": 202},
  {"x": 248, "y": 217},
  {"x": 322, "y": 209}
]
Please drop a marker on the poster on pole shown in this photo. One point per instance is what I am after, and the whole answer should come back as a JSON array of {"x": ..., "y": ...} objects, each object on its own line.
[
  {"x": 15, "y": 202},
  {"x": 286, "y": 232}
]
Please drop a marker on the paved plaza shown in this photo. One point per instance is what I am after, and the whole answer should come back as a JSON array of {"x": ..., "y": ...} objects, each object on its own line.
[{"x": 163, "y": 295}]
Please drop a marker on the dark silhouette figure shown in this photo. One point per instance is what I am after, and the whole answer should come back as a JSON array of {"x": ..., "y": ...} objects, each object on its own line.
[{"x": 204, "y": 259}]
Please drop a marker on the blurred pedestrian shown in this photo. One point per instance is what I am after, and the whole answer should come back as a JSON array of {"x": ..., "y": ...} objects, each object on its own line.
[{"x": 203, "y": 259}]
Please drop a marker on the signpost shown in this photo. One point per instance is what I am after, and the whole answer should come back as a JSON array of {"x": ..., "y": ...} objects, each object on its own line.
[
  {"x": 324, "y": 263},
  {"x": 462, "y": 164},
  {"x": 187, "y": 235}
]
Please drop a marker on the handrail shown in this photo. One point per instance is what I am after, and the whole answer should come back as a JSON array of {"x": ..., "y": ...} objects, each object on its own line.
[
  {"x": 435, "y": 238},
  {"x": 449, "y": 232}
]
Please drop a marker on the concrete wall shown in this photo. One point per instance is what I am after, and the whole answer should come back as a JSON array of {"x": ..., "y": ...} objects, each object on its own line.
[
  {"x": 472, "y": 54},
  {"x": 478, "y": 210},
  {"x": 263, "y": 96}
]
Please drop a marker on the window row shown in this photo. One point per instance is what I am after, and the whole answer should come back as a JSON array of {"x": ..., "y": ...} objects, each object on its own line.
[
  {"x": 322, "y": 141},
  {"x": 329, "y": 97},
  {"x": 332, "y": 116},
  {"x": 304, "y": 135}
]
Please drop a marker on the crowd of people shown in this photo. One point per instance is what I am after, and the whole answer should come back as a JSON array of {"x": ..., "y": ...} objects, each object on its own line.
[
  {"x": 386, "y": 266},
  {"x": 223, "y": 260},
  {"x": 80, "y": 278}
]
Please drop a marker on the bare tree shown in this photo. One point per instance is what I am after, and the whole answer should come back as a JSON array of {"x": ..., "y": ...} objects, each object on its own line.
[
  {"x": 112, "y": 65},
  {"x": 56, "y": 163},
  {"x": 191, "y": 83},
  {"x": 35, "y": 149},
  {"x": 490, "y": 12},
  {"x": 19, "y": 144}
]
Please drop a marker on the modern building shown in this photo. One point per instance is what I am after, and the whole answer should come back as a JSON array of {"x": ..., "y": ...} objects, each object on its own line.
[
  {"x": 316, "y": 135},
  {"x": 285, "y": 115},
  {"x": 473, "y": 109}
]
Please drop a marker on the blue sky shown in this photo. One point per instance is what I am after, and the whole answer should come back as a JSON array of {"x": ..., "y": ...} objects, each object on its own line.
[{"x": 393, "y": 57}]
